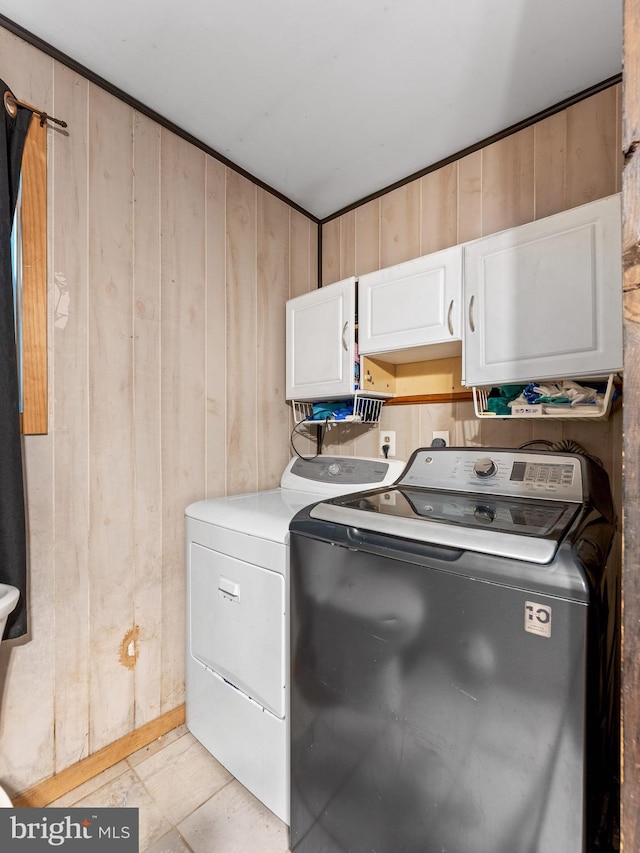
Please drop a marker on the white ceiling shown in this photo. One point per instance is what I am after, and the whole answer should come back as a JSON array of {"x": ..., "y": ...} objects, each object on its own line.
[{"x": 328, "y": 101}]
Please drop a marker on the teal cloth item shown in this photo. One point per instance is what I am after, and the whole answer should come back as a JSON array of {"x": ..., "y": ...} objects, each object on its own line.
[
  {"x": 498, "y": 402},
  {"x": 511, "y": 391},
  {"x": 498, "y": 405}
]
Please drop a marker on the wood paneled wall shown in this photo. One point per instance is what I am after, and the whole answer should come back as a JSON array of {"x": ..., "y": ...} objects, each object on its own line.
[
  {"x": 168, "y": 275},
  {"x": 566, "y": 160}
]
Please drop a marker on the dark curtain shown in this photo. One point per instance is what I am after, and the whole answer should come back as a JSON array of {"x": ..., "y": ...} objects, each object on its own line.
[{"x": 13, "y": 556}]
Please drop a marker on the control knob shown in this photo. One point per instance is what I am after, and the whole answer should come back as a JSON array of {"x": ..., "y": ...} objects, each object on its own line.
[
  {"x": 334, "y": 469},
  {"x": 484, "y": 514},
  {"x": 484, "y": 467}
]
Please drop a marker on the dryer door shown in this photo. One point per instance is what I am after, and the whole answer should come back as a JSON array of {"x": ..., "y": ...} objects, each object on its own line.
[{"x": 238, "y": 624}]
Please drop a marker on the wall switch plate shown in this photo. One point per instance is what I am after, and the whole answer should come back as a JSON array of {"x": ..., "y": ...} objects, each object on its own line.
[
  {"x": 387, "y": 436},
  {"x": 442, "y": 433}
]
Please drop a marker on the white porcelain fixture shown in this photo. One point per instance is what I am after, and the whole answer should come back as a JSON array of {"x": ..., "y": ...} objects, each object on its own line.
[{"x": 9, "y": 596}]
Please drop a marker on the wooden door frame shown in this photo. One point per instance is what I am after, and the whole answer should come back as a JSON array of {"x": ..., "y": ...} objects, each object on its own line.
[{"x": 630, "y": 806}]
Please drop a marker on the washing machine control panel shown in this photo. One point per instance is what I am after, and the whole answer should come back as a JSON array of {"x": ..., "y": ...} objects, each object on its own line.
[{"x": 506, "y": 472}]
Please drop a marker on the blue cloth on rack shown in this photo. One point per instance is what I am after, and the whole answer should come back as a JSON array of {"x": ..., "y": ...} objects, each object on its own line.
[{"x": 336, "y": 410}]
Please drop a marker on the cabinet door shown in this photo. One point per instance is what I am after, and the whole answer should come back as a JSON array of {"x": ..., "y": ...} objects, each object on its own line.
[
  {"x": 411, "y": 311},
  {"x": 320, "y": 331},
  {"x": 544, "y": 300}
]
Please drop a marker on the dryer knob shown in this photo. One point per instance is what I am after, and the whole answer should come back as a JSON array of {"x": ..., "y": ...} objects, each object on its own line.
[
  {"x": 334, "y": 469},
  {"x": 484, "y": 467}
]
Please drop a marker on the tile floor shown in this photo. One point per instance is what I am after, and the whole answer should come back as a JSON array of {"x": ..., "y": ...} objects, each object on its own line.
[{"x": 187, "y": 801}]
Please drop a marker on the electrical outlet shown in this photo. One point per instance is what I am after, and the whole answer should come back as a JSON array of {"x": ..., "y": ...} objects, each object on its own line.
[
  {"x": 443, "y": 433},
  {"x": 388, "y": 437}
]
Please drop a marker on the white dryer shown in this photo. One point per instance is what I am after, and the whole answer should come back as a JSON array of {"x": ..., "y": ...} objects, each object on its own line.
[{"x": 237, "y": 662}]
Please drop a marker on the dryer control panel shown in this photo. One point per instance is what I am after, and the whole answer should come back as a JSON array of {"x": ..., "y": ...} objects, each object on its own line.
[{"x": 339, "y": 474}]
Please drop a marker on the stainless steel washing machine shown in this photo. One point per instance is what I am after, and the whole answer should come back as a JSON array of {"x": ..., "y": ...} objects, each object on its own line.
[{"x": 454, "y": 646}]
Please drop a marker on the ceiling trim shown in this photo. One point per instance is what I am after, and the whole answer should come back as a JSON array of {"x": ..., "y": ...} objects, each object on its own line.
[
  {"x": 56, "y": 54},
  {"x": 514, "y": 128}
]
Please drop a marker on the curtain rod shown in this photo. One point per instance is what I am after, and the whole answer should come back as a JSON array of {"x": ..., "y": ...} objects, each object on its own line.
[{"x": 11, "y": 104}]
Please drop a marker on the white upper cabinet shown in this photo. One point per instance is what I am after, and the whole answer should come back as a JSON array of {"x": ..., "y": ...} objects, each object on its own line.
[
  {"x": 544, "y": 300},
  {"x": 320, "y": 333},
  {"x": 412, "y": 311}
]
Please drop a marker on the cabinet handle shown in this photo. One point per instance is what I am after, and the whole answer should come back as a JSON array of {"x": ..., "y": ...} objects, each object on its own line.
[
  {"x": 344, "y": 332},
  {"x": 449, "y": 318},
  {"x": 472, "y": 325}
]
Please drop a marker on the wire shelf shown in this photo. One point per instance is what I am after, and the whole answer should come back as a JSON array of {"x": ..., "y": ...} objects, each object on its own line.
[
  {"x": 366, "y": 410},
  {"x": 546, "y": 411}
]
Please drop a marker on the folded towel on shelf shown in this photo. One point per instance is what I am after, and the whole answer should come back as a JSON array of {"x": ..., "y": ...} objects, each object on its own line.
[
  {"x": 564, "y": 393},
  {"x": 499, "y": 398}
]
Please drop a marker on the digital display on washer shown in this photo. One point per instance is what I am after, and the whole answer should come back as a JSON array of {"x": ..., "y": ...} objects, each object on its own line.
[
  {"x": 536, "y": 472},
  {"x": 546, "y": 519}
]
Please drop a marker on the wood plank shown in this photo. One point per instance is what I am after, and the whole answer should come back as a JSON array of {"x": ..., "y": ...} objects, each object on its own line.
[
  {"x": 591, "y": 154},
  {"x": 111, "y": 451},
  {"x": 69, "y": 307},
  {"x": 434, "y": 381},
  {"x": 27, "y": 70},
  {"x": 34, "y": 418},
  {"x": 303, "y": 277},
  {"x": 377, "y": 375},
  {"x": 438, "y": 376},
  {"x": 439, "y": 199},
  {"x": 364, "y": 441},
  {"x": 406, "y": 421},
  {"x": 183, "y": 389},
  {"x": 216, "y": 329},
  {"x": 413, "y": 399},
  {"x": 347, "y": 268},
  {"x": 470, "y": 197},
  {"x": 495, "y": 432},
  {"x": 147, "y": 496},
  {"x": 400, "y": 225},
  {"x": 242, "y": 427},
  {"x": 272, "y": 292},
  {"x": 630, "y": 796},
  {"x": 303, "y": 259},
  {"x": 331, "y": 252},
  {"x": 57, "y": 786},
  {"x": 367, "y": 237},
  {"x": 507, "y": 182},
  {"x": 348, "y": 244},
  {"x": 550, "y": 144},
  {"x": 619, "y": 166}
]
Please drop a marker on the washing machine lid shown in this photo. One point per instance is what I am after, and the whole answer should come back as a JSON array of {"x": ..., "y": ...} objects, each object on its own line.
[
  {"x": 516, "y": 528},
  {"x": 514, "y": 503}
]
